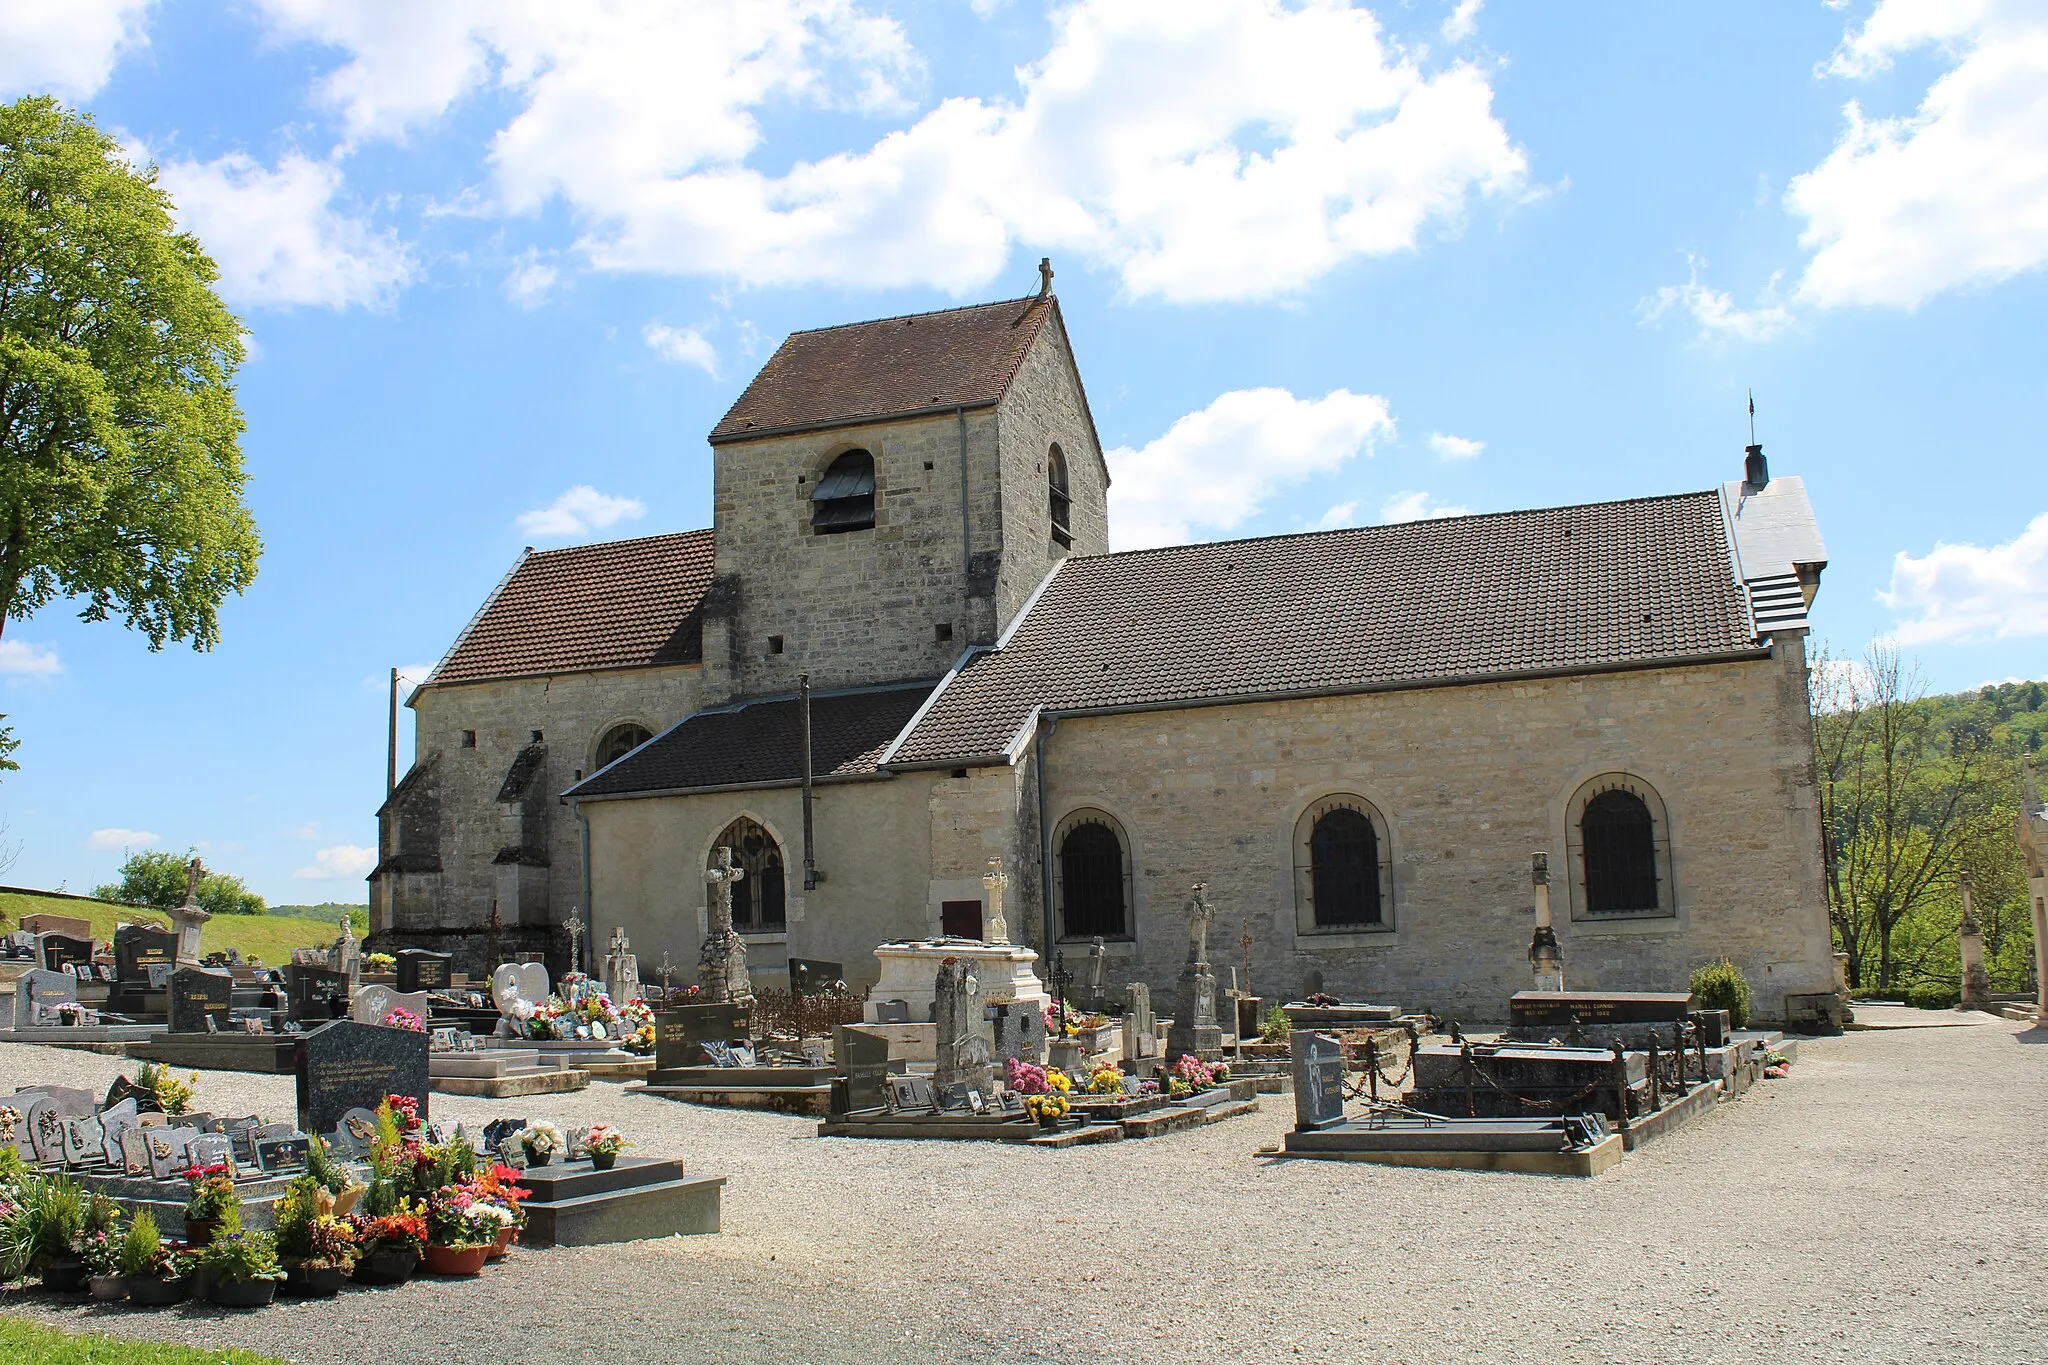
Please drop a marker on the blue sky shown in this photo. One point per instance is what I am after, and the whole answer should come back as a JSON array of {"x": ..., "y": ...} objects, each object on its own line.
[{"x": 503, "y": 265}]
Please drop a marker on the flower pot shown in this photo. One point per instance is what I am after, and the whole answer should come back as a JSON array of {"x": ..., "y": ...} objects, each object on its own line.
[
  {"x": 199, "y": 1231},
  {"x": 534, "y": 1158},
  {"x": 440, "y": 1260},
  {"x": 386, "y": 1266},
  {"x": 603, "y": 1161},
  {"x": 64, "y": 1275},
  {"x": 1049, "y": 1122},
  {"x": 107, "y": 1288},
  {"x": 241, "y": 1293},
  {"x": 148, "y": 1291},
  {"x": 313, "y": 1282},
  {"x": 504, "y": 1243},
  {"x": 68, "y": 1020}
]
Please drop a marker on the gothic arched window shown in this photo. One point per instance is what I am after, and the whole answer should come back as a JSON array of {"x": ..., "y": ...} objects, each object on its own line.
[
  {"x": 619, "y": 741},
  {"x": 844, "y": 499},
  {"x": 1056, "y": 493},
  {"x": 1343, "y": 867},
  {"x": 1093, "y": 877},
  {"x": 757, "y": 898},
  {"x": 1620, "y": 845}
]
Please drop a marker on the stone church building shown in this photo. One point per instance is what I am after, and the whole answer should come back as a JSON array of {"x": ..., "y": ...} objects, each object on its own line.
[{"x": 1356, "y": 738}]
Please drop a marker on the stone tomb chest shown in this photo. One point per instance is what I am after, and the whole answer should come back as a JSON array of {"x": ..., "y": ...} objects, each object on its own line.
[
  {"x": 1634, "y": 1019},
  {"x": 680, "y": 1034}
]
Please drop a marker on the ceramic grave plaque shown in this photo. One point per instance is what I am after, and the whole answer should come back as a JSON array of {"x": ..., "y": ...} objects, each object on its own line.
[
  {"x": 283, "y": 1152},
  {"x": 135, "y": 1152},
  {"x": 153, "y": 1118},
  {"x": 168, "y": 1151},
  {"x": 115, "y": 1120},
  {"x": 46, "y": 1128},
  {"x": 354, "y": 1132},
  {"x": 84, "y": 1141}
]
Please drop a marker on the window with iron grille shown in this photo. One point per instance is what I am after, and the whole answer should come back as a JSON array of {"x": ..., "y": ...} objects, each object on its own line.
[
  {"x": 621, "y": 740},
  {"x": 1062, "y": 503},
  {"x": 757, "y": 898},
  {"x": 1618, "y": 836},
  {"x": 1093, "y": 885},
  {"x": 844, "y": 499},
  {"x": 1344, "y": 852}
]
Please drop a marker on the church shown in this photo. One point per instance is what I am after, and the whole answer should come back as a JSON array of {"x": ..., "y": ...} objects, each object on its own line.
[{"x": 904, "y": 650}]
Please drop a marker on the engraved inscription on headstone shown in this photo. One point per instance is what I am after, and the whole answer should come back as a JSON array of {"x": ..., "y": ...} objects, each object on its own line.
[
  {"x": 681, "y": 1033},
  {"x": 61, "y": 952},
  {"x": 421, "y": 970},
  {"x": 199, "y": 995},
  {"x": 863, "y": 1059},
  {"x": 138, "y": 947},
  {"x": 346, "y": 1065}
]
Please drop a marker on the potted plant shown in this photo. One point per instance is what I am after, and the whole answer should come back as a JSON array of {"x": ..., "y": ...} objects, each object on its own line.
[
  {"x": 499, "y": 1186},
  {"x": 40, "y": 1229},
  {"x": 461, "y": 1231},
  {"x": 71, "y": 1014},
  {"x": 389, "y": 1244},
  {"x": 540, "y": 1140},
  {"x": 1048, "y": 1109},
  {"x": 155, "y": 1275},
  {"x": 316, "y": 1248},
  {"x": 98, "y": 1246},
  {"x": 212, "y": 1199},
  {"x": 604, "y": 1145},
  {"x": 241, "y": 1267}
]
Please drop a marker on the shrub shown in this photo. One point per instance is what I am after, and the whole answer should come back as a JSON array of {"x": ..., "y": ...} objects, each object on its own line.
[
  {"x": 1721, "y": 986},
  {"x": 47, "y": 1217},
  {"x": 140, "y": 1246},
  {"x": 1273, "y": 1029},
  {"x": 1934, "y": 995}
]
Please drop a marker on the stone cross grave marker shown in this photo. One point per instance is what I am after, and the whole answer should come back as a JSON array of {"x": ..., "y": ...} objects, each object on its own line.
[
  {"x": 722, "y": 962},
  {"x": 345, "y": 1065},
  {"x": 187, "y": 919},
  {"x": 199, "y": 995},
  {"x": 1194, "y": 1014},
  {"x": 1318, "y": 1079},
  {"x": 994, "y": 927},
  {"x": 621, "y": 968}
]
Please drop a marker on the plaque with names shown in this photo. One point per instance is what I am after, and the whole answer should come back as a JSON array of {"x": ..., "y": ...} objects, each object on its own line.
[
  {"x": 282, "y": 1153},
  {"x": 84, "y": 1141},
  {"x": 212, "y": 1149},
  {"x": 167, "y": 1151},
  {"x": 1318, "y": 1079},
  {"x": 910, "y": 1092},
  {"x": 135, "y": 1152}
]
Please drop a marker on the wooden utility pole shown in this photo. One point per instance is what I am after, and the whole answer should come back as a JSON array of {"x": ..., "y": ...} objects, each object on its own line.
[{"x": 391, "y": 741}]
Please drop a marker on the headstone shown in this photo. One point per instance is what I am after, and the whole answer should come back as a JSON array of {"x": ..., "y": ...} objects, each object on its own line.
[
  {"x": 135, "y": 1152},
  {"x": 1019, "y": 1031},
  {"x": 722, "y": 961},
  {"x": 345, "y": 1065},
  {"x": 1194, "y": 1015},
  {"x": 114, "y": 1121},
  {"x": 200, "y": 999},
  {"x": 188, "y": 918},
  {"x": 516, "y": 987},
  {"x": 42, "y": 923},
  {"x": 1318, "y": 1079},
  {"x": 168, "y": 1151},
  {"x": 1141, "y": 1026},
  {"x": 84, "y": 1140},
  {"x": 282, "y": 1153},
  {"x": 682, "y": 1035},
  {"x": 621, "y": 969},
  {"x": 62, "y": 952},
  {"x": 809, "y": 976},
  {"x": 863, "y": 1058},
  {"x": 963, "y": 1054},
  {"x": 38, "y": 992},
  {"x": 373, "y": 1004},
  {"x": 420, "y": 970},
  {"x": 137, "y": 947}
]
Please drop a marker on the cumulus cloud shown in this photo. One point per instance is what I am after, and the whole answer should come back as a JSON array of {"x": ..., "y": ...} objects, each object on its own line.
[
  {"x": 1200, "y": 149},
  {"x": 1418, "y": 507},
  {"x": 1953, "y": 194},
  {"x": 578, "y": 512},
  {"x": 530, "y": 281},
  {"x": 337, "y": 862},
  {"x": 1213, "y": 470},
  {"x": 1463, "y": 20},
  {"x": 22, "y": 659},
  {"x": 70, "y": 48},
  {"x": 1342, "y": 515},
  {"x": 1716, "y": 311},
  {"x": 121, "y": 838},
  {"x": 278, "y": 236},
  {"x": 1968, "y": 592},
  {"x": 683, "y": 345},
  {"x": 1448, "y": 447}
]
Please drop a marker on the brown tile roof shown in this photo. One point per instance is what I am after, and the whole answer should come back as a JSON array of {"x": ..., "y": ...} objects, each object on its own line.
[
  {"x": 761, "y": 742},
  {"x": 619, "y": 604},
  {"x": 1564, "y": 589},
  {"x": 892, "y": 367}
]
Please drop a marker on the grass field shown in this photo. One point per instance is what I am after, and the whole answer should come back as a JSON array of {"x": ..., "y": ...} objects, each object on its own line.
[
  {"x": 269, "y": 937},
  {"x": 26, "y": 1341}
]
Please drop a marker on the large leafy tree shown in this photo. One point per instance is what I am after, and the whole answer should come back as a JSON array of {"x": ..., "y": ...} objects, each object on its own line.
[
  {"x": 153, "y": 877},
  {"x": 121, "y": 471}
]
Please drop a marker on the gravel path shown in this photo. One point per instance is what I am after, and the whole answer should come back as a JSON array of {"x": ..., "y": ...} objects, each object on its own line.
[{"x": 1885, "y": 1204}]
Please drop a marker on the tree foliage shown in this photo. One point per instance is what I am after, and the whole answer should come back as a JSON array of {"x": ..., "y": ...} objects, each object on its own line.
[
  {"x": 121, "y": 472},
  {"x": 157, "y": 879}
]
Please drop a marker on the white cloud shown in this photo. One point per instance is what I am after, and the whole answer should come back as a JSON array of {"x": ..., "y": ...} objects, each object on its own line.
[
  {"x": 577, "y": 512},
  {"x": 23, "y": 658},
  {"x": 1417, "y": 507},
  {"x": 337, "y": 862},
  {"x": 1463, "y": 20},
  {"x": 1839, "y": 684},
  {"x": 1342, "y": 515},
  {"x": 1967, "y": 592},
  {"x": 278, "y": 237},
  {"x": 530, "y": 281},
  {"x": 1215, "y": 469},
  {"x": 1716, "y": 312},
  {"x": 683, "y": 345},
  {"x": 1448, "y": 447},
  {"x": 309, "y": 830},
  {"x": 69, "y": 48},
  {"x": 121, "y": 838},
  {"x": 1201, "y": 149},
  {"x": 1951, "y": 195}
]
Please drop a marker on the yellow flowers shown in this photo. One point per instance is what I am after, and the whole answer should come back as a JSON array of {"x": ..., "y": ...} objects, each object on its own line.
[{"x": 1058, "y": 1080}]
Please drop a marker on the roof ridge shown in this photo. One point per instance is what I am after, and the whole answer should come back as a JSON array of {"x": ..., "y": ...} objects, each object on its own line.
[
  {"x": 1388, "y": 525},
  {"x": 628, "y": 540},
  {"x": 927, "y": 313}
]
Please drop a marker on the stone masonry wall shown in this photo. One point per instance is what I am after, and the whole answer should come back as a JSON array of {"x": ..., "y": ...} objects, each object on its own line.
[
  {"x": 1044, "y": 406},
  {"x": 1471, "y": 780}
]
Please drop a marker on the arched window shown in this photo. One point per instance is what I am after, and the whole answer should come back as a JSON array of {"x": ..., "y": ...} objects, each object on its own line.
[
  {"x": 619, "y": 741},
  {"x": 1620, "y": 848},
  {"x": 844, "y": 499},
  {"x": 1092, "y": 877},
  {"x": 757, "y": 898},
  {"x": 1061, "y": 503},
  {"x": 1343, "y": 868}
]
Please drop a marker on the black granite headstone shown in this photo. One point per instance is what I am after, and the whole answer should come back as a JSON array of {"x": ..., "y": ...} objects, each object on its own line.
[
  {"x": 61, "y": 952},
  {"x": 1318, "y": 1079},
  {"x": 345, "y": 1065},
  {"x": 197, "y": 994},
  {"x": 137, "y": 947},
  {"x": 315, "y": 994},
  {"x": 1560, "y": 1009},
  {"x": 420, "y": 970},
  {"x": 863, "y": 1059},
  {"x": 680, "y": 1033}
]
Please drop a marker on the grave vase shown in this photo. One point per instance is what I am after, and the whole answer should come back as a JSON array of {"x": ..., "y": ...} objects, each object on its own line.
[{"x": 603, "y": 1161}]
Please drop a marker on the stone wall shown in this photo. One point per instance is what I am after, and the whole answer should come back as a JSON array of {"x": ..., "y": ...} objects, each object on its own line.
[
  {"x": 1045, "y": 406},
  {"x": 1471, "y": 780}
]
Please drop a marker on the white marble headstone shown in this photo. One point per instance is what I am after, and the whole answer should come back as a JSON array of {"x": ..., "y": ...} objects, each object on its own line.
[
  {"x": 115, "y": 1120},
  {"x": 373, "y": 1003},
  {"x": 519, "y": 983}
]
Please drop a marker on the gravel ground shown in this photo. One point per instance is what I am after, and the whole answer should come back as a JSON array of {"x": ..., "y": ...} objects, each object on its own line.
[{"x": 1884, "y": 1204}]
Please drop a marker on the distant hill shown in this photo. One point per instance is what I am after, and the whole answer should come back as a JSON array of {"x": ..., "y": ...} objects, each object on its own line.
[
  {"x": 270, "y": 937},
  {"x": 327, "y": 912}
]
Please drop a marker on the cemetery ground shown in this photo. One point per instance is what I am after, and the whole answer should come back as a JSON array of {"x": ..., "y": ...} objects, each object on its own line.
[{"x": 1883, "y": 1204}]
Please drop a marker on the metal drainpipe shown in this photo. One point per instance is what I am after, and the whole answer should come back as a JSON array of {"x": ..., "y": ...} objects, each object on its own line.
[
  {"x": 589, "y": 910},
  {"x": 1046, "y": 725}
]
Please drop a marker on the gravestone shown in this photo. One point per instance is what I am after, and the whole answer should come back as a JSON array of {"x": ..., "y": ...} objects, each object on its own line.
[
  {"x": 516, "y": 988},
  {"x": 315, "y": 994},
  {"x": 621, "y": 969},
  {"x": 1194, "y": 1013},
  {"x": 421, "y": 970},
  {"x": 345, "y": 1065},
  {"x": 41, "y": 923},
  {"x": 1318, "y": 1079},
  {"x": 199, "y": 994},
  {"x": 1141, "y": 1026},
  {"x": 189, "y": 918},
  {"x": 138, "y": 947},
  {"x": 722, "y": 961},
  {"x": 135, "y": 1152},
  {"x": 808, "y": 976},
  {"x": 38, "y": 992},
  {"x": 62, "y": 952},
  {"x": 1019, "y": 1031},
  {"x": 682, "y": 1035},
  {"x": 962, "y": 1052},
  {"x": 373, "y": 1004},
  {"x": 863, "y": 1058},
  {"x": 281, "y": 1153}
]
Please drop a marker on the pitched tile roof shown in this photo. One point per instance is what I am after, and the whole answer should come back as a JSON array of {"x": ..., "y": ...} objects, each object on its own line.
[
  {"x": 761, "y": 742},
  {"x": 892, "y": 367},
  {"x": 1562, "y": 589},
  {"x": 618, "y": 604}
]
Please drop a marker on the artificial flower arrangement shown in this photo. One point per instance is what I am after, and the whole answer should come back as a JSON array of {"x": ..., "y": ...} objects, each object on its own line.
[
  {"x": 636, "y": 1027},
  {"x": 605, "y": 1142},
  {"x": 379, "y": 962},
  {"x": 1059, "y": 1080},
  {"x": 1048, "y": 1108},
  {"x": 1026, "y": 1078},
  {"x": 71, "y": 1013},
  {"x": 404, "y": 1018},
  {"x": 1077, "y": 1021},
  {"x": 1195, "y": 1074},
  {"x": 499, "y": 1184},
  {"x": 1106, "y": 1080},
  {"x": 540, "y": 1140},
  {"x": 458, "y": 1218},
  {"x": 404, "y": 1229},
  {"x": 405, "y": 1112},
  {"x": 309, "y": 1234}
]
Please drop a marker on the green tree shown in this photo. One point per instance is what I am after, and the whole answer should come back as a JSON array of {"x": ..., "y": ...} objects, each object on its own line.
[
  {"x": 121, "y": 471},
  {"x": 157, "y": 879}
]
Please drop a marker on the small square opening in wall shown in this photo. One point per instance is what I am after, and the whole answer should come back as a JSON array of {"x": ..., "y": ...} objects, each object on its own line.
[
  {"x": 943, "y": 632},
  {"x": 927, "y": 466},
  {"x": 469, "y": 739},
  {"x": 775, "y": 644}
]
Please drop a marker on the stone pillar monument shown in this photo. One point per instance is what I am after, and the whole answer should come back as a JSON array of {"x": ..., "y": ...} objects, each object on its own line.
[
  {"x": 188, "y": 918},
  {"x": 1544, "y": 957},
  {"x": 722, "y": 964},
  {"x": 2034, "y": 848},
  {"x": 994, "y": 928},
  {"x": 1970, "y": 941},
  {"x": 1194, "y": 1010},
  {"x": 621, "y": 969},
  {"x": 962, "y": 1052}
]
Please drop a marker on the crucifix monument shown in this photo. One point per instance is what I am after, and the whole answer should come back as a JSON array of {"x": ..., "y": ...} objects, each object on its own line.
[
  {"x": 1544, "y": 957},
  {"x": 722, "y": 964},
  {"x": 621, "y": 969},
  {"x": 187, "y": 918},
  {"x": 1194, "y": 1009},
  {"x": 994, "y": 928}
]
